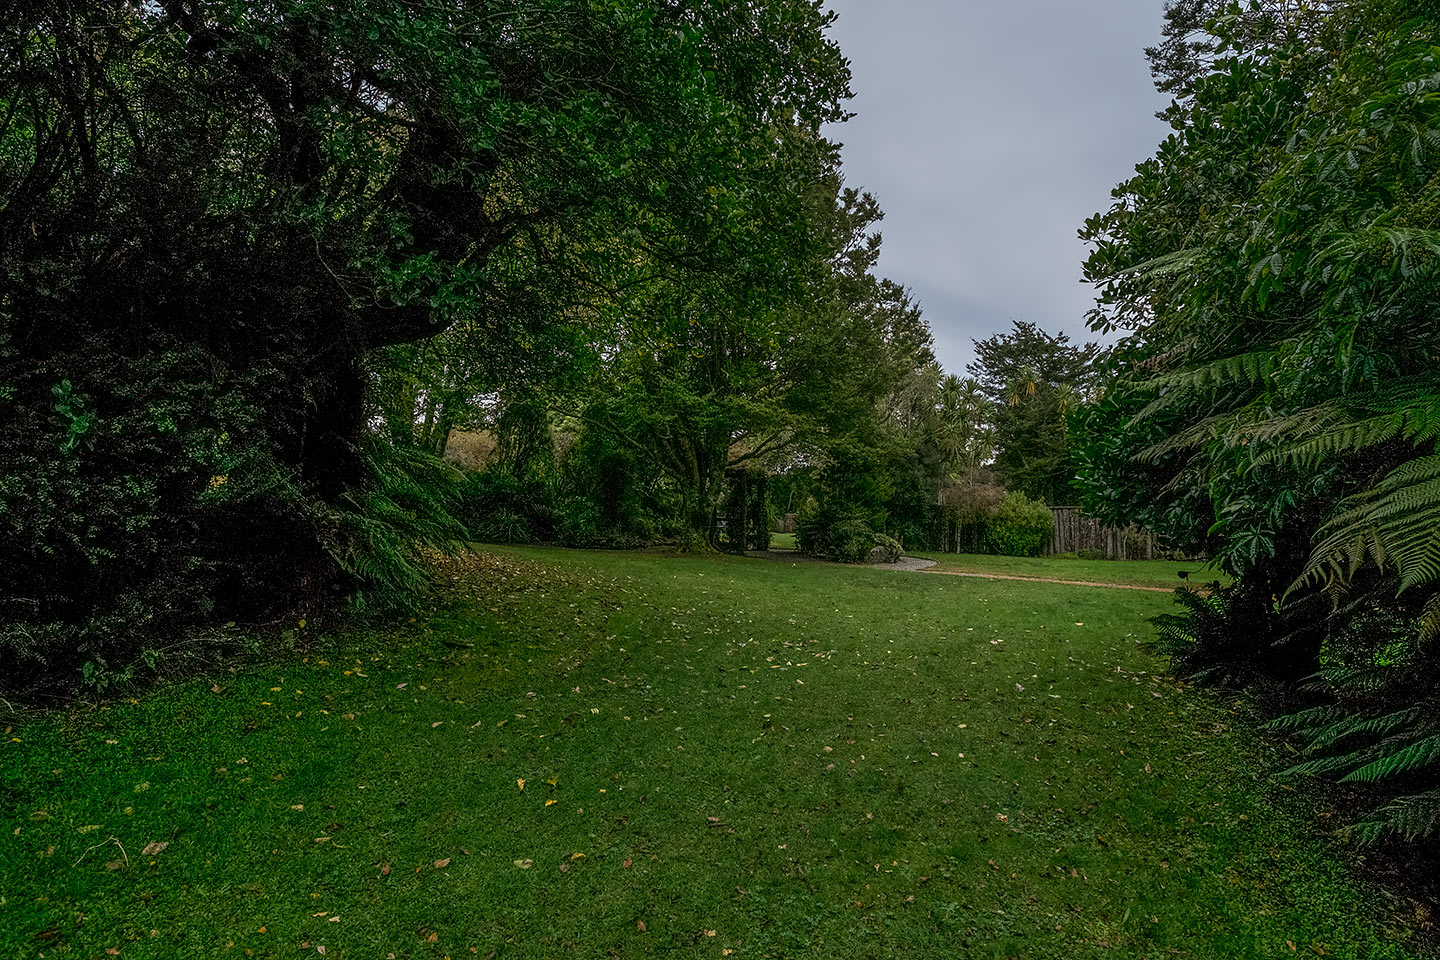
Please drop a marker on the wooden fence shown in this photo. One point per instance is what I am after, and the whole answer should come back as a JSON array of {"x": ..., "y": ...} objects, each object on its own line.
[{"x": 1075, "y": 532}]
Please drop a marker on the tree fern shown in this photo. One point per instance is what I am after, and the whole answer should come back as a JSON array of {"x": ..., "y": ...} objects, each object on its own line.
[
  {"x": 1413, "y": 817},
  {"x": 379, "y": 530},
  {"x": 1395, "y": 522},
  {"x": 1396, "y": 756}
]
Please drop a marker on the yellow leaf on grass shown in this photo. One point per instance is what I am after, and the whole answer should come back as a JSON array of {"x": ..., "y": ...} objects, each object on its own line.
[
  {"x": 520, "y": 782},
  {"x": 524, "y": 864},
  {"x": 549, "y": 802}
]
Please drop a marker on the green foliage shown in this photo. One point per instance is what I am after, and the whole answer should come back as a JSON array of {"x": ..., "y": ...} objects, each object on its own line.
[
  {"x": 499, "y": 507},
  {"x": 1020, "y": 527},
  {"x": 1034, "y": 382},
  {"x": 228, "y": 245},
  {"x": 1276, "y": 272},
  {"x": 378, "y": 531},
  {"x": 829, "y": 533}
]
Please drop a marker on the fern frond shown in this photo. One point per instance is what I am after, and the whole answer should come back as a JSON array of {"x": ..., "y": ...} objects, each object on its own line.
[
  {"x": 1245, "y": 370},
  {"x": 1335, "y": 763},
  {"x": 1311, "y": 718},
  {"x": 1329, "y": 735},
  {"x": 1408, "y": 410},
  {"x": 1391, "y": 762},
  {"x": 1208, "y": 428},
  {"x": 1414, "y": 817},
  {"x": 1398, "y": 521}
]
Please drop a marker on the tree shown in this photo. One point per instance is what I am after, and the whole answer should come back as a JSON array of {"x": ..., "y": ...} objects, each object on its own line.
[
  {"x": 213, "y": 212},
  {"x": 1276, "y": 267},
  {"x": 1034, "y": 382}
]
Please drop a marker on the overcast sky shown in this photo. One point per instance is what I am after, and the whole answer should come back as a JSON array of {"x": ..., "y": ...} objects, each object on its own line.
[{"x": 989, "y": 130}]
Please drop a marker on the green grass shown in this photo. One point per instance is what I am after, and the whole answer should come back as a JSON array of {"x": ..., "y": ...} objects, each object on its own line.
[
  {"x": 1142, "y": 573},
  {"x": 782, "y": 541},
  {"x": 748, "y": 758}
]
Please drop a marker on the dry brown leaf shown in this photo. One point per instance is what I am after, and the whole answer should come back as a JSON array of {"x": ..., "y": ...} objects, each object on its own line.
[
  {"x": 385, "y": 870},
  {"x": 154, "y": 847},
  {"x": 640, "y": 925},
  {"x": 442, "y": 864}
]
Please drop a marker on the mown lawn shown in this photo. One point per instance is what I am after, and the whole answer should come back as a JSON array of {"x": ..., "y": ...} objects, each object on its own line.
[
  {"x": 636, "y": 755},
  {"x": 1141, "y": 573}
]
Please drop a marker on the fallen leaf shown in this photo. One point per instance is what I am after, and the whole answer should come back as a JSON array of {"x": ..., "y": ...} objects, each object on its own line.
[
  {"x": 627, "y": 863},
  {"x": 385, "y": 870},
  {"x": 640, "y": 925},
  {"x": 520, "y": 782},
  {"x": 436, "y": 724},
  {"x": 524, "y": 864},
  {"x": 151, "y": 849},
  {"x": 709, "y": 933},
  {"x": 442, "y": 864}
]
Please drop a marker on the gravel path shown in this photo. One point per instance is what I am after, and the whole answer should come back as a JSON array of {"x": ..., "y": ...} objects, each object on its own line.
[{"x": 905, "y": 565}]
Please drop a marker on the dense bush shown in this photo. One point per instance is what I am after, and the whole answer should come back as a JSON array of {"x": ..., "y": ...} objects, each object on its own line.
[
  {"x": 829, "y": 535},
  {"x": 499, "y": 507},
  {"x": 1276, "y": 401},
  {"x": 1020, "y": 527}
]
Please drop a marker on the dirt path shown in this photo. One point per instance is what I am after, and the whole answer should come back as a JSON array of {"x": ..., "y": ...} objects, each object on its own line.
[
  {"x": 921, "y": 565},
  {"x": 1071, "y": 583}
]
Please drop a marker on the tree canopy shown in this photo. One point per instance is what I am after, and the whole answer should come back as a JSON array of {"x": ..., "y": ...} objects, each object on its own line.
[
  {"x": 214, "y": 212},
  {"x": 1274, "y": 269}
]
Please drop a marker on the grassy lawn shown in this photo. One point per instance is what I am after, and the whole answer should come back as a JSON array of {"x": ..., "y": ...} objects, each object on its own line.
[
  {"x": 1143, "y": 573},
  {"x": 782, "y": 541},
  {"x": 633, "y": 755}
]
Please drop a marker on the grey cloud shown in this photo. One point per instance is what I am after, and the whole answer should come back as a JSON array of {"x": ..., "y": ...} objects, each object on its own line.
[{"x": 990, "y": 130}]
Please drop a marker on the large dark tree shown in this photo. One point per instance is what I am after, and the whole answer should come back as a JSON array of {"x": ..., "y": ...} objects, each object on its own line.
[{"x": 212, "y": 211}]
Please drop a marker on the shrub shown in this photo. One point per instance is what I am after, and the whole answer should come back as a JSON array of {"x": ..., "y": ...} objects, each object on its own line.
[
  {"x": 1021, "y": 527},
  {"x": 849, "y": 541},
  {"x": 376, "y": 534},
  {"x": 499, "y": 507},
  {"x": 844, "y": 539}
]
